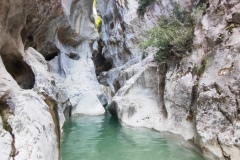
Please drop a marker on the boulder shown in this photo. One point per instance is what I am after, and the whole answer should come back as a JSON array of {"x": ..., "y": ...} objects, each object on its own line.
[{"x": 88, "y": 105}]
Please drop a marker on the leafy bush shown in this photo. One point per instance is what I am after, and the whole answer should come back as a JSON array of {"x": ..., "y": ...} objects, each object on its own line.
[
  {"x": 173, "y": 36},
  {"x": 142, "y": 5}
]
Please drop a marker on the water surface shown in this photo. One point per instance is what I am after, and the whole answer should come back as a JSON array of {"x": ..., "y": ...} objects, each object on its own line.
[{"x": 103, "y": 138}]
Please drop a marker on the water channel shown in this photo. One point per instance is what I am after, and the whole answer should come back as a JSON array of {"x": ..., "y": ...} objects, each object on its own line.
[{"x": 103, "y": 138}]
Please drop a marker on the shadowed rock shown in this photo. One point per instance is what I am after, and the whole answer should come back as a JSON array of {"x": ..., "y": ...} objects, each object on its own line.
[{"x": 19, "y": 69}]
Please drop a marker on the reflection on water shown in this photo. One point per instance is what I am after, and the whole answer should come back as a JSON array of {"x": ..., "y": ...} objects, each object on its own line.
[{"x": 103, "y": 138}]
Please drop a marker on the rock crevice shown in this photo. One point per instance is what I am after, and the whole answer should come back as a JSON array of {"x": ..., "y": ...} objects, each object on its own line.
[{"x": 5, "y": 113}]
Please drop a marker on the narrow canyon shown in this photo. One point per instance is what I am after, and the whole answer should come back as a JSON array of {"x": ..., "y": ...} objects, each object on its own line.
[{"x": 168, "y": 65}]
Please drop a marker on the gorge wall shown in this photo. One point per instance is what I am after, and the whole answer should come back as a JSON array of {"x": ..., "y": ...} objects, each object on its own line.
[
  {"x": 197, "y": 97},
  {"x": 47, "y": 73}
]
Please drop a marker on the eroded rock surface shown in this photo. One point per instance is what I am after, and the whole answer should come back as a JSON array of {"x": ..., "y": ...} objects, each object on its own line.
[
  {"x": 141, "y": 102},
  {"x": 46, "y": 72},
  {"x": 217, "y": 108},
  {"x": 197, "y": 97},
  {"x": 5, "y": 142},
  {"x": 27, "y": 119},
  {"x": 123, "y": 27}
]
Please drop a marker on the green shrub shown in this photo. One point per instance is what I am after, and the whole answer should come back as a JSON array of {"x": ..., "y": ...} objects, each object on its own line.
[
  {"x": 98, "y": 23},
  {"x": 98, "y": 20},
  {"x": 142, "y": 5},
  {"x": 173, "y": 36}
]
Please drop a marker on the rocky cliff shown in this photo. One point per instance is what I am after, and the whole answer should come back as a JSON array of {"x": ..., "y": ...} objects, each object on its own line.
[
  {"x": 46, "y": 72},
  {"x": 50, "y": 50},
  {"x": 196, "y": 97}
]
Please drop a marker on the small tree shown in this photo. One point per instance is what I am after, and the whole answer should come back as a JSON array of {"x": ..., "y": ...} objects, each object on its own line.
[{"x": 173, "y": 36}]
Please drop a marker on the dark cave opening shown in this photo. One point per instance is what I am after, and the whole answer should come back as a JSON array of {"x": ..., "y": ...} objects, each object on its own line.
[
  {"x": 30, "y": 38},
  {"x": 100, "y": 62},
  {"x": 50, "y": 56},
  {"x": 18, "y": 69},
  {"x": 111, "y": 25},
  {"x": 73, "y": 56},
  {"x": 49, "y": 50}
]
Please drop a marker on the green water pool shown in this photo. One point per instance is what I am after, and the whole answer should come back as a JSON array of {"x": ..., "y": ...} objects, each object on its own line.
[{"x": 103, "y": 138}]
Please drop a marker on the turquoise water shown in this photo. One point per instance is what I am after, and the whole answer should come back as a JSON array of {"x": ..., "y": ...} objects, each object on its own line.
[{"x": 103, "y": 138}]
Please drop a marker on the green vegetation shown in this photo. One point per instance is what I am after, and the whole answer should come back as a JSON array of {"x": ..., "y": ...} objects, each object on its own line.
[
  {"x": 142, "y": 5},
  {"x": 230, "y": 28},
  {"x": 98, "y": 23},
  {"x": 173, "y": 36},
  {"x": 94, "y": 3},
  {"x": 98, "y": 20}
]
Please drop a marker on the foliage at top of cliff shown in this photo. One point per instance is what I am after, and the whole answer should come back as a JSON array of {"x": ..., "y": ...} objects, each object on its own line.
[
  {"x": 173, "y": 36},
  {"x": 142, "y": 5}
]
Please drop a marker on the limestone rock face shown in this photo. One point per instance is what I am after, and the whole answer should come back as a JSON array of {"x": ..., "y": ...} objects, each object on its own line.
[
  {"x": 140, "y": 103},
  {"x": 217, "y": 108},
  {"x": 28, "y": 121},
  {"x": 33, "y": 127},
  {"x": 123, "y": 27},
  {"x": 46, "y": 71},
  {"x": 197, "y": 97},
  {"x": 5, "y": 142}
]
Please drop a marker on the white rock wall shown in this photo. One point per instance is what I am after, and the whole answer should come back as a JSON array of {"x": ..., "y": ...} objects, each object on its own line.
[
  {"x": 199, "y": 98},
  {"x": 123, "y": 27},
  {"x": 34, "y": 92}
]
